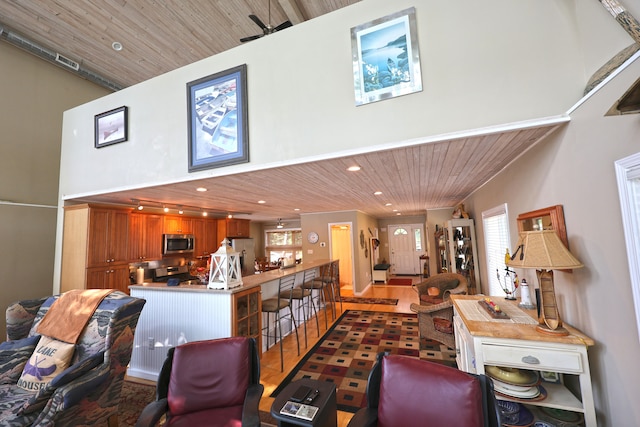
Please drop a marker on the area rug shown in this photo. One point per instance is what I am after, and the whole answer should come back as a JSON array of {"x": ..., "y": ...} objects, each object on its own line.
[
  {"x": 359, "y": 300},
  {"x": 400, "y": 282},
  {"x": 133, "y": 399},
  {"x": 347, "y": 352}
]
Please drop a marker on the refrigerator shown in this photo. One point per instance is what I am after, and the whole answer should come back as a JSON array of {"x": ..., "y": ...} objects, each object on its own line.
[{"x": 246, "y": 249}]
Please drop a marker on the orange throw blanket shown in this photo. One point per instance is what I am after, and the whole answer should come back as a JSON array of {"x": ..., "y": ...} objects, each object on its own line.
[{"x": 69, "y": 314}]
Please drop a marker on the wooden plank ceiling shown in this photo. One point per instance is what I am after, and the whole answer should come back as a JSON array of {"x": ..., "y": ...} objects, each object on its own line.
[
  {"x": 160, "y": 36},
  {"x": 157, "y": 36},
  {"x": 411, "y": 179}
]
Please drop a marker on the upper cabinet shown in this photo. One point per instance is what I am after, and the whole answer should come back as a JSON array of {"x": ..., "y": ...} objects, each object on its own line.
[
  {"x": 205, "y": 234},
  {"x": 145, "y": 237},
  {"x": 178, "y": 225},
  {"x": 232, "y": 227},
  {"x": 108, "y": 236}
]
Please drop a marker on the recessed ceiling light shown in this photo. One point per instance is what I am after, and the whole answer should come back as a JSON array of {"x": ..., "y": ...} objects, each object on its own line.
[
  {"x": 262, "y": 202},
  {"x": 201, "y": 189},
  {"x": 117, "y": 46},
  {"x": 354, "y": 168},
  {"x": 377, "y": 193},
  {"x": 387, "y": 204},
  {"x": 296, "y": 209},
  {"x": 398, "y": 213}
]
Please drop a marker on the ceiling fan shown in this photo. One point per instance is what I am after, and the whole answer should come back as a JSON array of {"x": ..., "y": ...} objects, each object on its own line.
[{"x": 266, "y": 29}]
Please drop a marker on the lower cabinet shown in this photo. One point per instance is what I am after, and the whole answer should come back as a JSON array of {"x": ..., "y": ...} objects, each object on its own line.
[
  {"x": 247, "y": 314},
  {"x": 113, "y": 277}
]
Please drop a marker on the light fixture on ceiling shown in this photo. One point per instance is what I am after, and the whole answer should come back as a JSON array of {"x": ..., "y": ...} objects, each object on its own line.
[
  {"x": 354, "y": 168},
  {"x": 156, "y": 206},
  {"x": 279, "y": 224},
  {"x": 117, "y": 46}
]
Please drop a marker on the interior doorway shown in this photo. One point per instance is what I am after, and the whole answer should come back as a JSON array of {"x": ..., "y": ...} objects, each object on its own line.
[
  {"x": 406, "y": 244},
  {"x": 341, "y": 247}
]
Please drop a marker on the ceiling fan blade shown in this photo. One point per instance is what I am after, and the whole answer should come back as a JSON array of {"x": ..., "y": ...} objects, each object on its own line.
[
  {"x": 258, "y": 22},
  {"x": 248, "y": 39},
  {"x": 285, "y": 24}
]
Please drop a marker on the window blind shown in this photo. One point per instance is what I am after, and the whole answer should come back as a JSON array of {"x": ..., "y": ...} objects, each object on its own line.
[{"x": 496, "y": 237}]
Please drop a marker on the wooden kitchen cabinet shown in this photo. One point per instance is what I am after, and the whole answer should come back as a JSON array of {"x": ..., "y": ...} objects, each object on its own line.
[
  {"x": 108, "y": 234},
  {"x": 232, "y": 227},
  {"x": 145, "y": 237},
  {"x": 178, "y": 225},
  {"x": 116, "y": 277},
  {"x": 247, "y": 314},
  {"x": 95, "y": 238},
  {"x": 205, "y": 233}
]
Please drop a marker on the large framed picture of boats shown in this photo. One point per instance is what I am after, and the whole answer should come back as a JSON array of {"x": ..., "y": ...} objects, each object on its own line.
[
  {"x": 111, "y": 127},
  {"x": 218, "y": 131},
  {"x": 386, "y": 59}
]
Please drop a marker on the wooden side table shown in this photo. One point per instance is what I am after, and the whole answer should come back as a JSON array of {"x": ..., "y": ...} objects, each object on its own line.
[
  {"x": 516, "y": 344},
  {"x": 327, "y": 415}
]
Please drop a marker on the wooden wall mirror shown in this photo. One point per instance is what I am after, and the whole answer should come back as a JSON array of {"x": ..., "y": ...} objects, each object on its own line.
[{"x": 551, "y": 218}]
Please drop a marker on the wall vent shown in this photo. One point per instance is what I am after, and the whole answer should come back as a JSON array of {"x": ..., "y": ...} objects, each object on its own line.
[{"x": 67, "y": 62}]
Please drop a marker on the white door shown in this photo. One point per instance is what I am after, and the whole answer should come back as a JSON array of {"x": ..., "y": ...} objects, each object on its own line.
[{"x": 405, "y": 247}]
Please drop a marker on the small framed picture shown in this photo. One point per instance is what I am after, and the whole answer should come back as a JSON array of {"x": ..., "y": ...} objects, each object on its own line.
[
  {"x": 111, "y": 127},
  {"x": 218, "y": 129},
  {"x": 386, "y": 60},
  {"x": 550, "y": 377}
]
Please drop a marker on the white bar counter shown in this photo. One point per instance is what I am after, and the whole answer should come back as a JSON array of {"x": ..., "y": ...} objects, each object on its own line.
[{"x": 175, "y": 315}]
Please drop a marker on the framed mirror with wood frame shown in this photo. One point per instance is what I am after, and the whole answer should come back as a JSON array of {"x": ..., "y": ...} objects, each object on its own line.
[{"x": 551, "y": 218}]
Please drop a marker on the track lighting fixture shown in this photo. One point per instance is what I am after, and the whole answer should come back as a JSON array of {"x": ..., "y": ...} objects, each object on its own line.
[{"x": 279, "y": 224}]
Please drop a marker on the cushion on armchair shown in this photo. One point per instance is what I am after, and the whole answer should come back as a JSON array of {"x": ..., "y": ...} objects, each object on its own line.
[
  {"x": 452, "y": 391},
  {"x": 49, "y": 358}
]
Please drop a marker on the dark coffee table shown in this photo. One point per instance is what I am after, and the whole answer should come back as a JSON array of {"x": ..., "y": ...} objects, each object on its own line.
[{"x": 327, "y": 415}]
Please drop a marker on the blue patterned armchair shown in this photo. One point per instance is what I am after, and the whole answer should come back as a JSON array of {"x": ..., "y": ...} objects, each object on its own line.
[{"x": 86, "y": 393}]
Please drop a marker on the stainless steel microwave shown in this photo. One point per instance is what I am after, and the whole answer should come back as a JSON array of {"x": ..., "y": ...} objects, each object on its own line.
[{"x": 177, "y": 243}]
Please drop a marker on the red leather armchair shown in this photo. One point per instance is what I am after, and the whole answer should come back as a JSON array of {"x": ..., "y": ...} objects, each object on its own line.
[
  {"x": 404, "y": 391},
  {"x": 212, "y": 383}
]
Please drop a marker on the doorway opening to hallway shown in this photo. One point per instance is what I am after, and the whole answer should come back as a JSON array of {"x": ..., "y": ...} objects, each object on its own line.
[{"x": 341, "y": 247}]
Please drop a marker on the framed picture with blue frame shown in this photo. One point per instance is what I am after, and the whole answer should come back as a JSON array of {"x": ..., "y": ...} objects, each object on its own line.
[
  {"x": 386, "y": 58},
  {"x": 217, "y": 114}
]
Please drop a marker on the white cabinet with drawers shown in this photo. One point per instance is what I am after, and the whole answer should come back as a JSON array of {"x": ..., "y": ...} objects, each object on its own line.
[{"x": 480, "y": 343}]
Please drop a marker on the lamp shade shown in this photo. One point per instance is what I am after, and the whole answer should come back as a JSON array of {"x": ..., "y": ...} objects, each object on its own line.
[{"x": 542, "y": 250}]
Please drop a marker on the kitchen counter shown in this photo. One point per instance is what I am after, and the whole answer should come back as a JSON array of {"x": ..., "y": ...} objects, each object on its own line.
[
  {"x": 175, "y": 315},
  {"x": 248, "y": 282}
]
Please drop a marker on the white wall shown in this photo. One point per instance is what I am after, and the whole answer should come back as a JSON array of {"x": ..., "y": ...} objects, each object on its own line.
[
  {"x": 575, "y": 168},
  {"x": 483, "y": 63}
]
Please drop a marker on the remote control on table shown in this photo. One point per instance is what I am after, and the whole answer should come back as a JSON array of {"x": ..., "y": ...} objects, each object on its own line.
[{"x": 312, "y": 396}]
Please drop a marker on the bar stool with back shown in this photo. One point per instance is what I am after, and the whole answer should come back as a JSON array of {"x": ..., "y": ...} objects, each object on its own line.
[{"x": 274, "y": 305}]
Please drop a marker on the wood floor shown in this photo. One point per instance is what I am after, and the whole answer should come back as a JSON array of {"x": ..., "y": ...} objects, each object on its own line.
[{"x": 270, "y": 375}]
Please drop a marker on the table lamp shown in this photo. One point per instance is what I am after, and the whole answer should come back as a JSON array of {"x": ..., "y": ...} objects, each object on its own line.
[{"x": 544, "y": 251}]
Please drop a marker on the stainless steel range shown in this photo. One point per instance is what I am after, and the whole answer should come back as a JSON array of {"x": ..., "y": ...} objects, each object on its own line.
[{"x": 178, "y": 272}]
